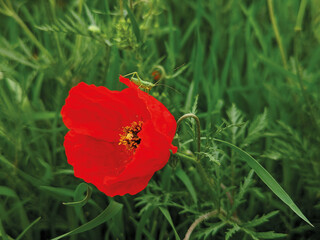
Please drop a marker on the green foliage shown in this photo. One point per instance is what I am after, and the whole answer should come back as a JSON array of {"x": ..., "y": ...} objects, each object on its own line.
[{"x": 257, "y": 100}]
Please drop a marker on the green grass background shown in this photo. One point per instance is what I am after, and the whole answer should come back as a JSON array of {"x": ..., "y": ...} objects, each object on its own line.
[{"x": 250, "y": 70}]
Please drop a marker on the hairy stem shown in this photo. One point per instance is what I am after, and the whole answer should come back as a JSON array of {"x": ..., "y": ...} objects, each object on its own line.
[
  {"x": 198, "y": 129},
  {"x": 199, "y": 220},
  {"x": 186, "y": 157},
  {"x": 278, "y": 38},
  {"x": 203, "y": 174},
  {"x": 215, "y": 213}
]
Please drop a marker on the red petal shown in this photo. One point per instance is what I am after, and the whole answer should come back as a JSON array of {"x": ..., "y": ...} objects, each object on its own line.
[
  {"x": 133, "y": 186},
  {"x": 93, "y": 159},
  {"x": 101, "y": 113}
]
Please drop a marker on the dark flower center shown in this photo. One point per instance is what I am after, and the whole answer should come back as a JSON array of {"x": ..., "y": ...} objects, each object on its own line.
[{"x": 129, "y": 137}]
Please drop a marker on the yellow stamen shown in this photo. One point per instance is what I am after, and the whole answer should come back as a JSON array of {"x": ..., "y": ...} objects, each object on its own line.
[{"x": 129, "y": 137}]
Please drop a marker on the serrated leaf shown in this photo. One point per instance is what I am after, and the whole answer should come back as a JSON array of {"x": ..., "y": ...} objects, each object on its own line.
[
  {"x": 232, "y": 231},
  {"x": 211, "y": 158},
  {"x": 236, "y": 118},
  {"x": 243, "y": 189},
  {"x": 260, "y": 220},
  {"x": 234, "y": 115},
  {"x": 195, "y": 105},
  {"x": 211, "y": 231},
  {"x": 256, "y": 128}
]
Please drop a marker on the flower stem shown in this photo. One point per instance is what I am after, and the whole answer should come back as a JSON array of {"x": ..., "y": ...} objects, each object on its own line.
[
  {"x": 201, "y": 170},
  {"x": 199, "y": 220},
  {"x": 198, "y": 129},
  {"x": 186, "y": 157}
]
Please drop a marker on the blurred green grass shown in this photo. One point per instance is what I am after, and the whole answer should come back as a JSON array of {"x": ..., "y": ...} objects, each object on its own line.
[{"x": 233, "y": 56}]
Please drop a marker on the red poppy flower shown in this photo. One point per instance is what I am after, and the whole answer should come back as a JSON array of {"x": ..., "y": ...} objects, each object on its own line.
[{"x": 117, "y": 139}]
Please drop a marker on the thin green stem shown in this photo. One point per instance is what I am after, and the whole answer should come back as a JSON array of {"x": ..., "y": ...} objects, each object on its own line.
[
  {"x": 186, "y": 157},
  {"x": 201, "y": 170},
  {"x": 78, "y": 37},
  {"x": 278, "y": 37},
  {"x": 188, "y": 115},
  {"x": 302, "y": 10}
]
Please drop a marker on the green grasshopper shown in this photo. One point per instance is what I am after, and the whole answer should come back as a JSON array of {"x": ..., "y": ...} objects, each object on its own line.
[
  {"x": 139, "y": 82},
  {"x": 145, "y": 85}
]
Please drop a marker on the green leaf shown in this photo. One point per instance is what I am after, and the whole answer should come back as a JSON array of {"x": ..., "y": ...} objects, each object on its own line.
[
  {"x": 267, "y": 179},
  {"x": 166, "y": 213},
  {"x": 113, "y": 209},
  {"x": 8, "y": 192},
  {"x": 269, "y": 235},
  {"x": 238, "y": 199},
  {"x": 186, "y": 181}
]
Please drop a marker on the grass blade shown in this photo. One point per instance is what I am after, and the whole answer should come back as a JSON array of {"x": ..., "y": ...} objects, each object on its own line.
[
  {"x": 187, "y": 182},
  {"x": 166, "y": 213}
]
